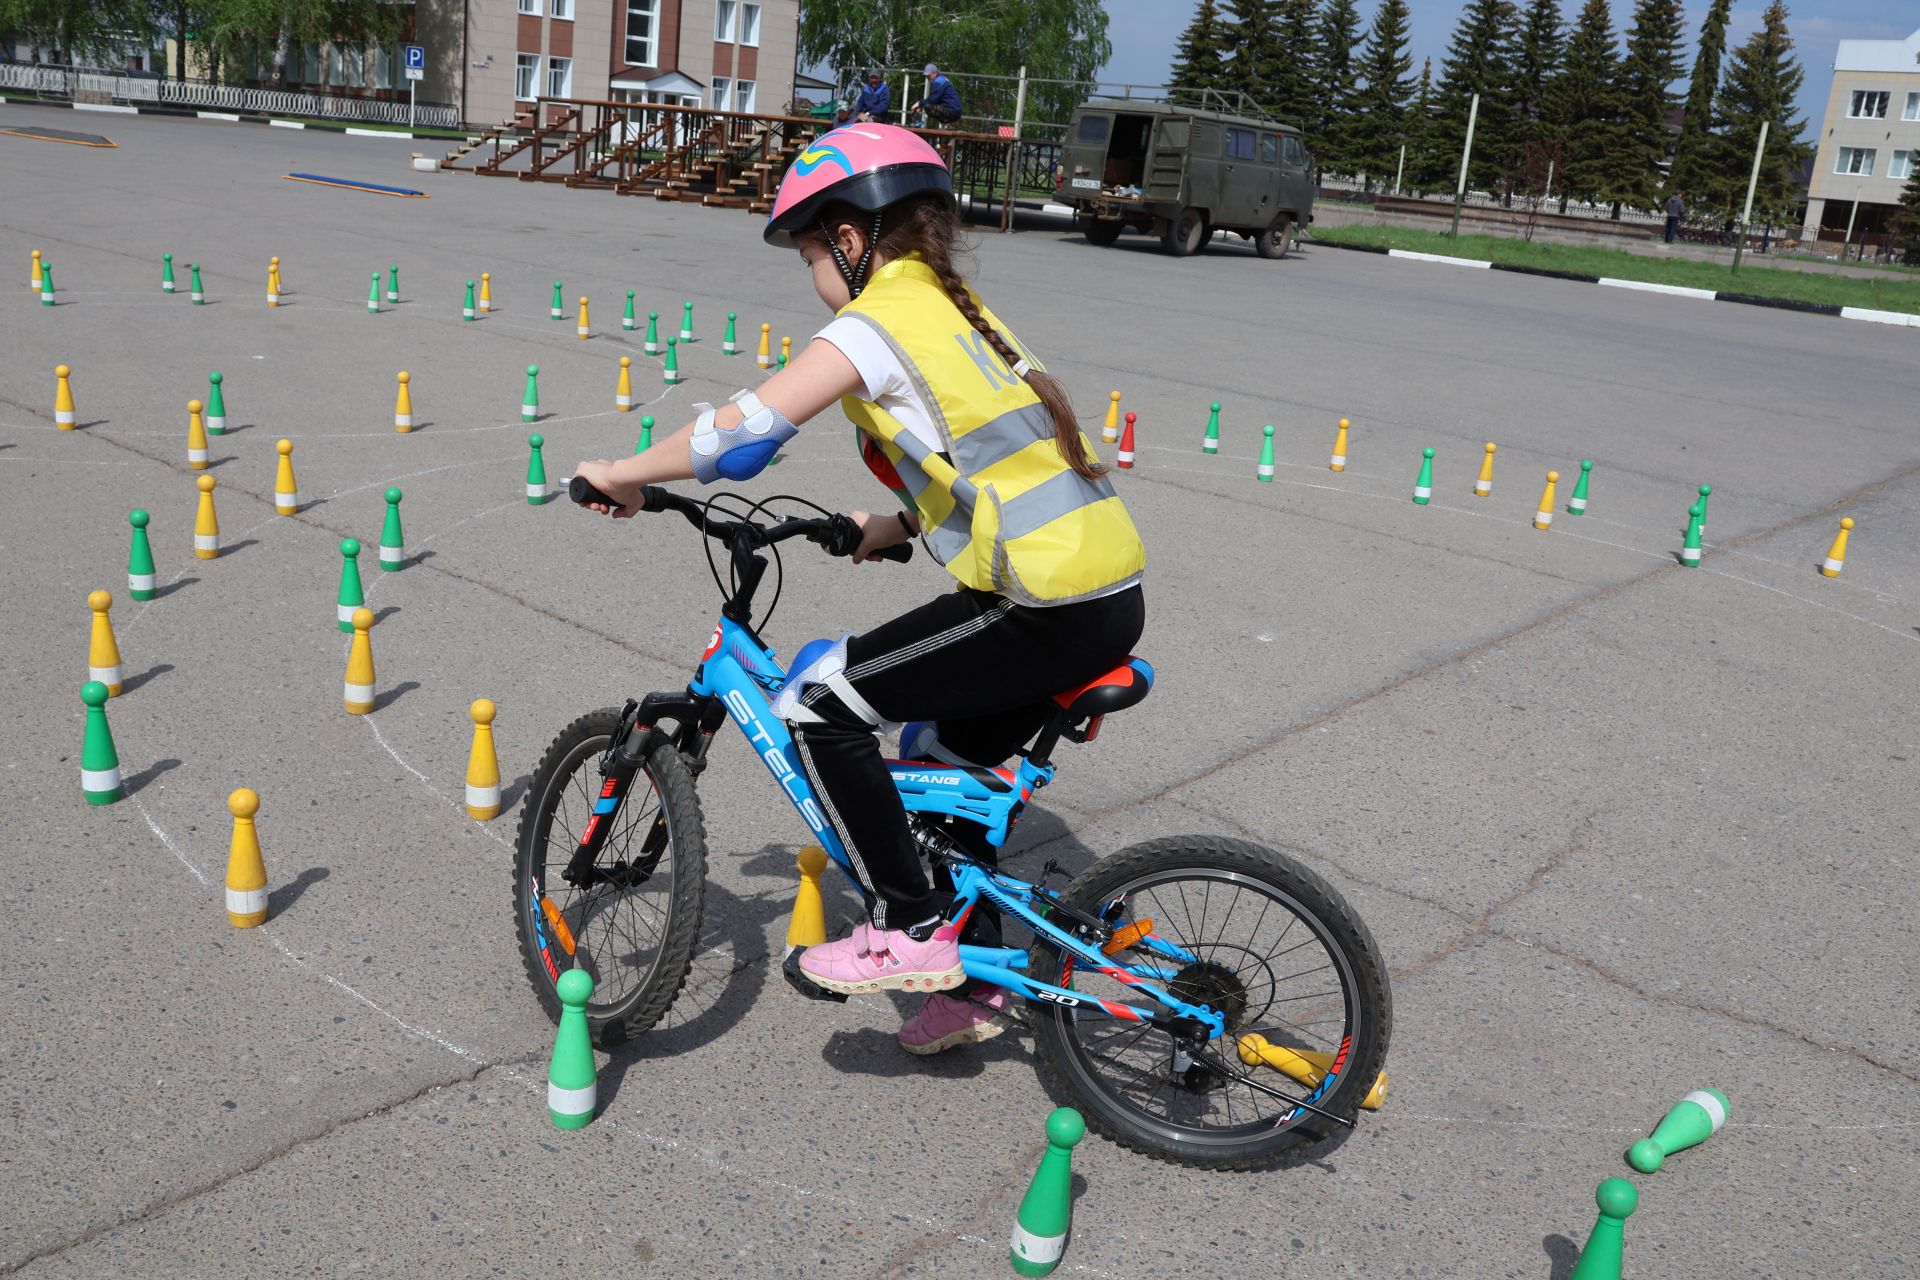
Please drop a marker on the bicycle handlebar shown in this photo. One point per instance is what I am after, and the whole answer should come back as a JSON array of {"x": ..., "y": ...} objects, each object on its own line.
[{"x": 837, "y": 534}]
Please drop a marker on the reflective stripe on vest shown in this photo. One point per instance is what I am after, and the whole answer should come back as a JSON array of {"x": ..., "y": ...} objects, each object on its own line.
[{"x": 1008, "y": 514}]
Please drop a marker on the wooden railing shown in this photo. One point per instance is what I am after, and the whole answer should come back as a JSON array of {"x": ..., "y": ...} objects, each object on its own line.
[{"x": 726, "y": 159}]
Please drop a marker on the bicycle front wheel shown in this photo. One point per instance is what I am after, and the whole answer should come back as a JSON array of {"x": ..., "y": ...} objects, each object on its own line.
[
  {"x": 1274, "y": 949},
  {"x": 633, "y": 921}
]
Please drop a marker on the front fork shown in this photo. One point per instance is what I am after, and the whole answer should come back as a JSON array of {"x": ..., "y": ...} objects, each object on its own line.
[{"x": 696, "y": 719}]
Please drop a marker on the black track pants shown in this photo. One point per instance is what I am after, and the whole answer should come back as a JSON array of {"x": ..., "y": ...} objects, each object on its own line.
[{"x": 981, "y": 666}]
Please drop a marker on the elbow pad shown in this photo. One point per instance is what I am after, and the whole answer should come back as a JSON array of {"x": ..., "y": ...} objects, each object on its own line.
[{"x": 742, "y": 452}]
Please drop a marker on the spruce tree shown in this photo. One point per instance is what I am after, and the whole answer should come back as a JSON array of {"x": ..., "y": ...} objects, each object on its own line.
[
  {"x": 1425, "y": 165},
  {"x": 1536, "y": 61},
  {"x": 1692, "y": 150},
  {"x": 1334, "y": 134},
  {"x": 1906, "y": 221},
  {"x": 1380, "y": 114},
  {"x": 1584, "y": 110},
  {"x": 1652, "y": 64},
  {"x": 1763, "y": 78},
  {"x": 1250, "y": 39},
  {"x": 1479, "y": 61},
  {"x": 1291, "y": 73},
  {"x": 1199, "y": 61}
]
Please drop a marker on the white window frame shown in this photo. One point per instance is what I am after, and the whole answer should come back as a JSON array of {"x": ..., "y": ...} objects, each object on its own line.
[
  {"x": 651, "y": 8},
  {"x": 750, "y": 25},
  {"x": 1856, "y": 162},
  {"x": 744, "y": 93},
  {"x": 562, "y": 9},
  {"x": 565, "y": 67},
  {"x": 726, "y": 14},
  {"x": 528, "y": 6},
  {"x": 526, "y": 76},
  {"x": 1901, "y": 166},
  {"x": 1862, "y": 98},
  {"x": 718, "y": 93},
  {"x": 1912, "y": 110}
]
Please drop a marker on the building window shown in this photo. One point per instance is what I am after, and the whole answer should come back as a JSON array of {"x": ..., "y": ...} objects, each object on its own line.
[
  {"x": 643, "y": 30},
  {"x": 356, "y": 68},
  {"x": 750, "y": 24},
  {"x": 1912, "y": 111},
  {"x": 1869, "y": 104},
  {"x": 559, "y": 77},
  {"x": 336, "y": 72},
  {"x": 561, "y": 8},
  {"x": 529, "y": 6},
  {"x": 1902, "y": 165},
  {"x": 525, "y": 67},
  {"x": 743, "y": 95},
  {"x": 1855, "y": 160},
  {"x": 717, "y": 98},
  {"x": 309, "y": 64},
  {"x": 723, "y": 16},
  {"x": 383, "y": 68}
]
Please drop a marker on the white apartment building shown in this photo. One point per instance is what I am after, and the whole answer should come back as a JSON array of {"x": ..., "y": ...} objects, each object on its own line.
[{"x": 1869, "y": 141}]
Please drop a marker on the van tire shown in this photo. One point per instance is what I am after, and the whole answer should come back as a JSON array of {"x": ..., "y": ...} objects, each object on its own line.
[
  {"x": 1275, "y": 240},
  {"x": 1102, "y": 233},
  {"x": 1187, "y": 233}
]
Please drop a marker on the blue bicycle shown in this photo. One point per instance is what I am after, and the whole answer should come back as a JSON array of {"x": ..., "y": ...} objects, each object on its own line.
[{"x": 1204, "y": 1000}]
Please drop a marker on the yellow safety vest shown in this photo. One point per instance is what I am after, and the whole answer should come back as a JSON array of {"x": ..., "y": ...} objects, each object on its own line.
[{"x": 1007, "y": 514}]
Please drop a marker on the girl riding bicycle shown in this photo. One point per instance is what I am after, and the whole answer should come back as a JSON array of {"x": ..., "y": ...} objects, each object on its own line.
[{"x": 982, "y": 448}]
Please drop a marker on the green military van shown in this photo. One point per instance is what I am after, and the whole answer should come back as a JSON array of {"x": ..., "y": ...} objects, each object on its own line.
[{"x": 1184, "y": 172}]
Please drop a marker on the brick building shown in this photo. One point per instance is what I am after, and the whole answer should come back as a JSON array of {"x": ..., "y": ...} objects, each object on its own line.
[{"x": 493, "y": 57}]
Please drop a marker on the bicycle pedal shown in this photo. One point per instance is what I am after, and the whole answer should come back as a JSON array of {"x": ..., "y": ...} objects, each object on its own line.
[{"x": 798, "y": 979}]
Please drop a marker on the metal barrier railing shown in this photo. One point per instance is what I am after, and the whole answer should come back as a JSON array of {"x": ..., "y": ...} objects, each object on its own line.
[{"x": 124, "y": 87}]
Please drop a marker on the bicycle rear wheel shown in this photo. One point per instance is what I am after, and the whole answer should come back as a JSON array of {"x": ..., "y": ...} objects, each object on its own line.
[
  {"x": 634, "y": 924},
  {"x": 1276, "y": 950}
]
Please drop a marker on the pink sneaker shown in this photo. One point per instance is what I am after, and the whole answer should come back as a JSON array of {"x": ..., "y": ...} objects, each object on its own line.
[
  {"x": 945, "y": 1021},
  {"x": 873, "y": 960}
]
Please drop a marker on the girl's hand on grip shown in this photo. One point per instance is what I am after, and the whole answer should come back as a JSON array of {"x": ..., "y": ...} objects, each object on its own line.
[{"x": 599, "y": 474}]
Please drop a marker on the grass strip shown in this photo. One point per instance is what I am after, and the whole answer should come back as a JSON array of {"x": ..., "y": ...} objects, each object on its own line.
[{"x": 1814, "y": 286}]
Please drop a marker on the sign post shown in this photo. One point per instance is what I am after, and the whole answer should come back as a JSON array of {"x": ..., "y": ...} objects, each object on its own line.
[{"x": 416, "y": 67}]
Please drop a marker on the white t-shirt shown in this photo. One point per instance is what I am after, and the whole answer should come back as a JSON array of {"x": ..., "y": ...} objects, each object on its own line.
[{"x": 885, "y": 379}]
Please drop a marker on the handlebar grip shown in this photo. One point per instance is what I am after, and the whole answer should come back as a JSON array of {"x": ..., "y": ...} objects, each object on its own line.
[
  {"x": 899, "y": 553},
  {"x": 581, "y": 491}
]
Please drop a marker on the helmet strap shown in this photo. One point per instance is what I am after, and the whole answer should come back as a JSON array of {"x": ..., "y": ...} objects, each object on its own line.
[{"x": 855, "y": 276}]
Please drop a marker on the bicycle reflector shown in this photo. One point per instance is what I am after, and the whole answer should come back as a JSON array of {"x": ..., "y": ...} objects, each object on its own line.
[
  {"x": 1126, "y": 937},
  {"x": 557, "y": 923}
]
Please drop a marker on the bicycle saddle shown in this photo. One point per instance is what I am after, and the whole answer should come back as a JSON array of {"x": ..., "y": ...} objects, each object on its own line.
[{"x": 1120, "y": 688}]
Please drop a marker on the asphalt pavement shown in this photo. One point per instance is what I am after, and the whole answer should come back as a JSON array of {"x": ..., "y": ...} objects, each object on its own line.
[{"x": 1623, "y": 829}]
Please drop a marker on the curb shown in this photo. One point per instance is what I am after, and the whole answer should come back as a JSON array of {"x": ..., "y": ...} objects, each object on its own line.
[
  {"x": 231, "y": 117},
  {"x": 1869, "y": 314}
]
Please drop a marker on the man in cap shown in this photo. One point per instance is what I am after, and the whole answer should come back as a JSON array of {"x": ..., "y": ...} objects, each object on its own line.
[
  {"x": 942, "y": 101},
  {"x": 876, "y": 101}
]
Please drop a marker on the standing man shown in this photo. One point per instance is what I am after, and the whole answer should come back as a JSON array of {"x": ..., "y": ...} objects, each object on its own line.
[
  {"x": 876, "y": 100},
  {"x": 942, "y": 101},
  {"x": 1676, "y": 210}
]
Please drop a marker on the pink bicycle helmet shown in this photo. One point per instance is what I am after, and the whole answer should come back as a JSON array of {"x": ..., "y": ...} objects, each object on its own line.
[{"x": 868, "y": 166}]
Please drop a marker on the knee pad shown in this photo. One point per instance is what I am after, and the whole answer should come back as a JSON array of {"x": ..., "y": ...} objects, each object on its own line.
[
  {"x": 920, "y": 740},
  {"x": 742, "y": 452},
  {"x": 821, "y": 662}
]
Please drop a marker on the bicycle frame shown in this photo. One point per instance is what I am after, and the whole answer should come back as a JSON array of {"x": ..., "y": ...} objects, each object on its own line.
[{"x": 737, "y": 673}]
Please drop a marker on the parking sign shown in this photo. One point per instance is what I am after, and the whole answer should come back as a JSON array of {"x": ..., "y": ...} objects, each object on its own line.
[{"x": 416, "y": 61}]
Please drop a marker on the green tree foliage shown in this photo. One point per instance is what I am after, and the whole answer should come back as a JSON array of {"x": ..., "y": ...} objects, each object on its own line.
[
  {"x": 1479, "y": 61},
  {"x": 1906, "y": 221},
  {"x": 1652, "y": 64},
  {"x": 1199, "y": 62},
  {"x": 1381, "y": 109},
  {"x": 1054, "y": 39},
  {"x": 1535, "y": 63},
  {"x": 88, "y": 32},
  {"x": 1763, "y": 78},
  {"x": 1691, "y": 151},
  {"x": 1271, "y": 56},
  {"x": 1426, "y": 167},
  {"x": 1333, "y": 135},
  {"x": 1585, "y": 112}
]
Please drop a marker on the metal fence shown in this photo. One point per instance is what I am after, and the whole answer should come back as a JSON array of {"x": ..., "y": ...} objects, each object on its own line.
[{"x": 127, "y": 88}]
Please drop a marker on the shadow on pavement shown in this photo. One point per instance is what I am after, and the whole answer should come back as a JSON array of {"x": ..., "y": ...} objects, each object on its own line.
[
  {"x": 135, "y": 783},
  {"x": 279, "y": 900},
  {"x": 134, "y": 682}
]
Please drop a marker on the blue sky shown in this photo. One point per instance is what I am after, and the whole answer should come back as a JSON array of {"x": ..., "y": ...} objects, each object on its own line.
[{"x": 1144, "y": 31}]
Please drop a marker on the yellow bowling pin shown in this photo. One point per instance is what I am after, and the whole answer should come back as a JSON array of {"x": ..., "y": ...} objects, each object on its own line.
[
  {"x": 1543, "y": 518},
  {"x": 1836, "y": 554},
  {"x": 1339, "y": 459},
  {"x": 1110, "y": 429},
  {"x": 196, "y": 437},
  {"x": 64, "y": 416},
  {"x": 483, "y": 766},
  {"x": 246, "y": 870},
  {"x": 103, "y": 653},
  {"x": 486, "y": 292},
  {"x": 623, "y": 392},
  {"x": 583, "y": 320},
  {"x": 1484, "y": 485},
  {"x": 765, "y": 358},
  {"x": 403, "y": 404},
  {"x": 359, "y": 688},
  {"x": 206, "y": 524},
  {"x": 286, "y": 494},
  {"x": 807, "y": 927}
]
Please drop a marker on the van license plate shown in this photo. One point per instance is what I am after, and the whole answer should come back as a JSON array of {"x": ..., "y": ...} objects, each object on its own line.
[{"x": 1091, "y": 184}]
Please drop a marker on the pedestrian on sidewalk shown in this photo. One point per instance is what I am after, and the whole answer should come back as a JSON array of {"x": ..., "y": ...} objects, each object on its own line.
[{"x": 1676, "y": 210}]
